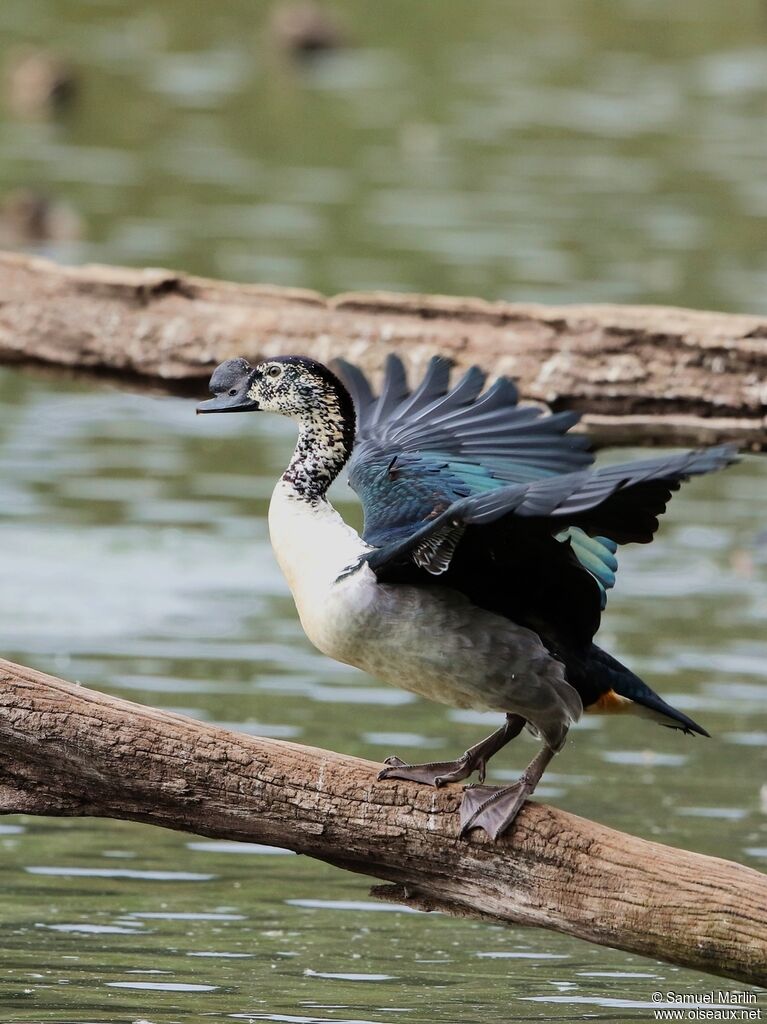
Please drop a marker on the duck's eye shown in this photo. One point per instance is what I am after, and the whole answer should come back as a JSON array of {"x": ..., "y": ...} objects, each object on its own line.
[
  {"x": 274, "y": 371},
  {"x": 232, "y": 391}
]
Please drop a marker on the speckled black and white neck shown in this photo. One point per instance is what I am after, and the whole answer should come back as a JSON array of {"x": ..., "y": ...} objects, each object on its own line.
[
  {"x": 321, "y": 406},
  {"x": 325, "y": 440}
]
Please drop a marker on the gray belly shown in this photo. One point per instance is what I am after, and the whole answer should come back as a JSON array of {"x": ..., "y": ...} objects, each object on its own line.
[{"x": 435, "y": 642}]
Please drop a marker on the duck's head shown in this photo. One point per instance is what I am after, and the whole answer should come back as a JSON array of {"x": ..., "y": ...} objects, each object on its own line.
[
  {"x": 306, "y": 391},
  {"x": 290, "y": 385}
]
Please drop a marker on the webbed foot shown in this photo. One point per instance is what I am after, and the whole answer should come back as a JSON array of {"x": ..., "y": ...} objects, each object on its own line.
[
  {"x": 440, "y": 773},
  {"x": 437, "y": 773},
  {"x": 494, "y": 808}
]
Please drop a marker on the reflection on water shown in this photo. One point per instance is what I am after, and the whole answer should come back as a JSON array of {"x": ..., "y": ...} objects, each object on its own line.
[{"x": 190, "y": 613}]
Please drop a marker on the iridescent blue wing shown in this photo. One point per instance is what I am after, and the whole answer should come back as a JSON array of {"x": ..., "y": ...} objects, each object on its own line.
[
  {"x": 617, "y": 504},
  {"x": 419, "y": 451}
]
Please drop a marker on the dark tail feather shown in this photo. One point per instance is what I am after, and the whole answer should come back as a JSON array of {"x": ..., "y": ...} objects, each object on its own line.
[{"x": 623, "y": 681}]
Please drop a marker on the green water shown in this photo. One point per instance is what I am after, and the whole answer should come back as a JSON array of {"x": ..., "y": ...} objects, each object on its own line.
[
  {"x": 543, "y": 150},
  {"x": 134, "y": 534}
]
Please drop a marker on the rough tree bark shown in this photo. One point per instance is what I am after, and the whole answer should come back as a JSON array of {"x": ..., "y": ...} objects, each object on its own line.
[
  {"x": 67, "y": 750},
  {"x": 641, "y": 374}
]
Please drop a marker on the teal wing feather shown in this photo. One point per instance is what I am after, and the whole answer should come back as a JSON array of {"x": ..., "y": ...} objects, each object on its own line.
[{"x": 596, "y": 554}]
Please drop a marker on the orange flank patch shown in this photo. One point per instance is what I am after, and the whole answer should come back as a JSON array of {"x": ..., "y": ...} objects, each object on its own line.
[{"x": 611, "y": 703}]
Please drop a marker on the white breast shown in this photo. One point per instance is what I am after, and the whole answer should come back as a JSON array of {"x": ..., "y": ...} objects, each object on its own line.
[
  {"x": 313, "y": 546},
  {"x": 431, "y": 640}
]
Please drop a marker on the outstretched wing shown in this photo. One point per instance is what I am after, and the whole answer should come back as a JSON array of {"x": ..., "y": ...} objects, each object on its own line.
[
  {"x": 418, "y": 452},
  {"x": 620, "y": 503},
  {"x": 521, "y": 550},
  {"x": 460, "y": 483}
]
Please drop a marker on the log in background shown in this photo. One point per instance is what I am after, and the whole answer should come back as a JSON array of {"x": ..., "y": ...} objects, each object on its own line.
[
  {"x": 68, "y": 750},
  {"x": 641, "y": 374}
]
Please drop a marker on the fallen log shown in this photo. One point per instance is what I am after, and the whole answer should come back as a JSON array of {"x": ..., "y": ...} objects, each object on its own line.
[
  {"x": 641, "y": 374},
  {"x": 68, "y": 750}
]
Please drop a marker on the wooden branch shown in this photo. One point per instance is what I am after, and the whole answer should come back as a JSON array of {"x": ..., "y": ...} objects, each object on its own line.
[
  {"x": 67, "y": 750},
  {"x": 642, "y": 374}
]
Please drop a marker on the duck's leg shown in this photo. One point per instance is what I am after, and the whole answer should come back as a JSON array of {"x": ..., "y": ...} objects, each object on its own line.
[
  {"x": 493, "y": 808},
  {"x": 439, "y": 773}
]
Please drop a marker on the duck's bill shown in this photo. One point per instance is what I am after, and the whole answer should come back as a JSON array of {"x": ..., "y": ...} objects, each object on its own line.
[
  {"x": 229, "y": 385},
  {"x": 240, "y": 402}
]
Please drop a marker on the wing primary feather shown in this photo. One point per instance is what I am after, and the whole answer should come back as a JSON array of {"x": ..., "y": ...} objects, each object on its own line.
[
  {"x": 433, "y": 386},
  {"x": 469, "y": 387},
  {"x": 393, "y": 392},
  {"x": 458, "y": 398},
  {"x": 502, "y": 392},
  {"x": 359, "y": 388},
  {"x": 462, "y": 421}
]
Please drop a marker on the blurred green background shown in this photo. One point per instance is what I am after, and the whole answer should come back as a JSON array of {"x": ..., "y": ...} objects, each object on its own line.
[{"x": 526, "y": 149}]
